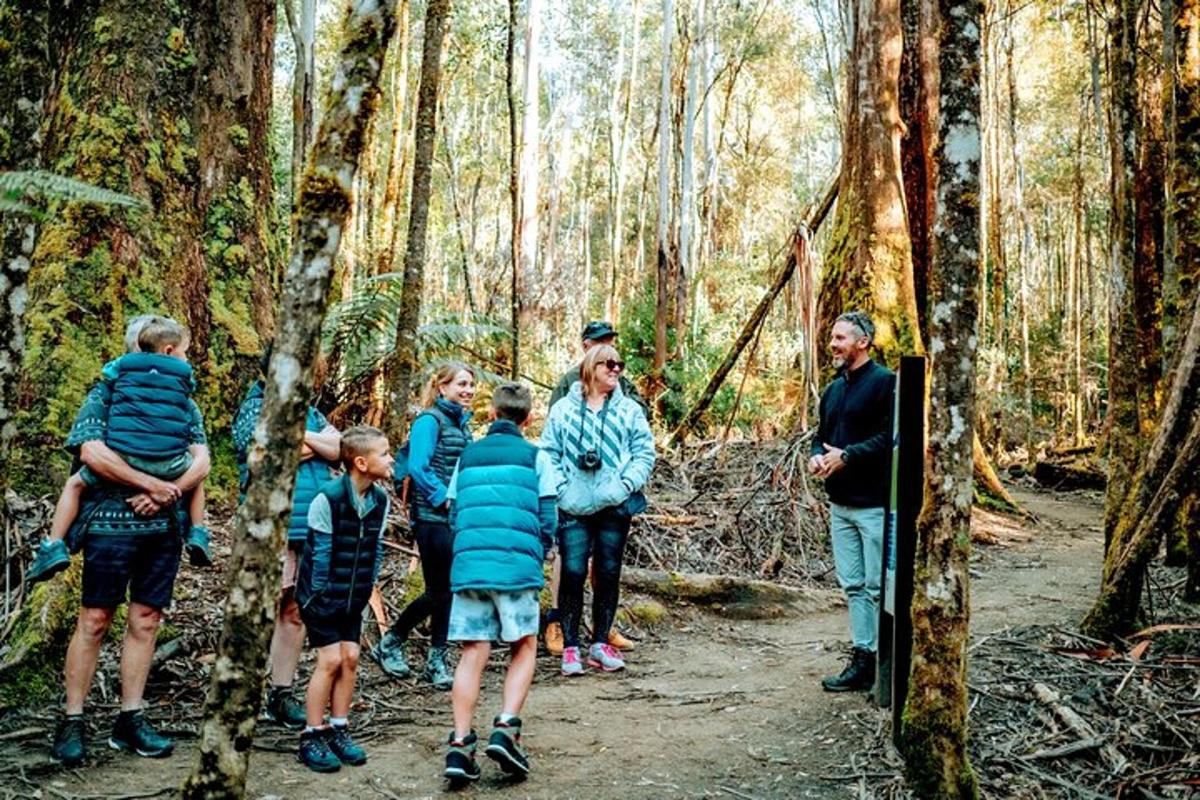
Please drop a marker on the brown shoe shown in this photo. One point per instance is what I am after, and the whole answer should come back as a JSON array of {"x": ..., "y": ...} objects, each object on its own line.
[
  {"x": 618, "y": 641},
  {"x": 554, "y": 638}
]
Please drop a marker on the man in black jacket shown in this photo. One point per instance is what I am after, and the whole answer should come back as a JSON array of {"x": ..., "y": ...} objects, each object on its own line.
[{"x": 852, "y": 452}]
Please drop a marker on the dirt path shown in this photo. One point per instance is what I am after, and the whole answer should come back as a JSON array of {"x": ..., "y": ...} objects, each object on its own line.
[{"x": 707, "y": 708}]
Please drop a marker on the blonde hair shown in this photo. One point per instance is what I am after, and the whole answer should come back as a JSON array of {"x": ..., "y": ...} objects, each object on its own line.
[
  {"x": 160, "y": 332},
  {"x": 442, "y": 374},
  {"x": 591, "y": 361}
]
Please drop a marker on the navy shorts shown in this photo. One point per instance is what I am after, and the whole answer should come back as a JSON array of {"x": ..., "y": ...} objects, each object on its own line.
[
  {"x": 143, "y": 566},
  {"x": 327, "y": 629}
]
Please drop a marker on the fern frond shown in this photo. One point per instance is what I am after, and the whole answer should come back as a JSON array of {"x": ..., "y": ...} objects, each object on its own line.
[{"x": 18, "y": 188}]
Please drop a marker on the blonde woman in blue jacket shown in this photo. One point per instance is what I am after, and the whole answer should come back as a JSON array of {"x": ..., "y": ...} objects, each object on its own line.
[{"x": 602, "y": 447}]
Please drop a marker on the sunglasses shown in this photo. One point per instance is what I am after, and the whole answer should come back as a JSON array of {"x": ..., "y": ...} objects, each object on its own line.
[{"x": 614, "y": 365}]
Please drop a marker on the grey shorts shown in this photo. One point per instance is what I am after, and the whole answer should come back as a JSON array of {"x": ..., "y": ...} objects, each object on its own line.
[{"x": 478, "y": 615}]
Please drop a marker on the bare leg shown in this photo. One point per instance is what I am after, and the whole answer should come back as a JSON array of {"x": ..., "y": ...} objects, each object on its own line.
[
  {"x": 320, "y": 685},
  {"x": 520, "y": 674},
  {"x": 467, "y": 677},
  {"x": 82, "y": 652},
  {"x": 287, "y": 640},
  {"x": 196, "y": 505},
  {"x": 67, "y": 507},
  {"x": 343, "y": 684},
  {"x": 137, "y": 652}
]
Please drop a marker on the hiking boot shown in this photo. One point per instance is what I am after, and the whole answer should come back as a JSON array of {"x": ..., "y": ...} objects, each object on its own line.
[
  {"x": 504, "y": 747},
  {"x": 345, "y": 748},
  {"x": 437, "y": 671},
  {"x": 131, "y": 731},
  {"x": 315, "y": 754},
  {"x": 52, "y": 558},
  {"x": 389, "y": 653},
  {"x": 571, "y": 665},
  {"x": 618, "y": 641},
  {"x": 605, "y": 657},
  {"x": 196, "y": 546},
  {"x": 284, "y": 709},
  {"x": 460, "y": 759},
  {"x": 554, "y": 638},
  {"x": 70, "y": 740},
  {"x": 858, "y": 676}
]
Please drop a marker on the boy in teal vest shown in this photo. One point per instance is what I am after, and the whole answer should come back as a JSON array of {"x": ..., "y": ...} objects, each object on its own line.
[
  {"x": 148, "y": 426},
  {"x": 337, "y": 571},
  {"x": 503, "y": 516}
]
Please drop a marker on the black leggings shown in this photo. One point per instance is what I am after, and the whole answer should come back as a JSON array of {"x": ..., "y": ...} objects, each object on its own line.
[
  {"x": 602, "y": 537},
  {"x": 436, "y": 543}
]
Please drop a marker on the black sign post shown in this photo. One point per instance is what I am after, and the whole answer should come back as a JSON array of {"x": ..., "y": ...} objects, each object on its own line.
[{"x": 900, "y": 543}]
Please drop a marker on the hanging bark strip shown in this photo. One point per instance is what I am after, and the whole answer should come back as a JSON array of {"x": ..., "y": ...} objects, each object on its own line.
[
  {"x": 803, "y": 231},
  {"x": 235, "y": 693},
  {"x": 934, "y": 729}
]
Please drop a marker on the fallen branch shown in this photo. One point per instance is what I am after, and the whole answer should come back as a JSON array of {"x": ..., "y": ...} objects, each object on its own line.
[
  {"x": 1079, "y": 726},
  {"x": 740, "y": 598}
]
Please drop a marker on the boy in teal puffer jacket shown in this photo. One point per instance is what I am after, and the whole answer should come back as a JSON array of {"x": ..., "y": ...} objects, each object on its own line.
[{"x": 503, "y": 516}]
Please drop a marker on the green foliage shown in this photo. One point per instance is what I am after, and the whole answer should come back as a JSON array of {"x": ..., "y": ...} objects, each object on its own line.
[{"x": 29, "y": 192}]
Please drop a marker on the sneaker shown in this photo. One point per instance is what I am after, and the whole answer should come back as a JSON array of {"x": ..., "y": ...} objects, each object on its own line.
[
  {"x": 197, "y": 547},
  {"x": 52, "y": 558},
  {"x": 571, "y": 665},
  {"x": 131, "y": 731},
  {"x": 70, "y": 744},
  {"x": 284, "y": 709},
  {"x": 504, "y": 747},
  {"x": 437, "y": 671},
  {"x": 858, "y": 676},
  {"x": 315, "y": 754},
  {"x": 618, "y": 641},
  {"x": 460, "y": 759},
  {"x": 389, "y": 653},
  {"x": 554, "y": 638},
  {"x": 605, "y": 657},
  {"x": 345, "y": 748}
]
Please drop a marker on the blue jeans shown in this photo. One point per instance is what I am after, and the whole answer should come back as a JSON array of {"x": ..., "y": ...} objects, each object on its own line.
[
  {"x": 600, "y": 536},
  {"x": 857, "y": 537}
]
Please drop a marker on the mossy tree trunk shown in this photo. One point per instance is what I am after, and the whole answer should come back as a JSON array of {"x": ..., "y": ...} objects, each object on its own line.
[
  {"x": 1185, "y": 210},
  {"x": 234, "y": 695},
  {"x": 404, "y": 363},
  {"x": 156, "y": 102},
  {"x": 868, "y": 265},
  {"x": 935, "y": 714}
]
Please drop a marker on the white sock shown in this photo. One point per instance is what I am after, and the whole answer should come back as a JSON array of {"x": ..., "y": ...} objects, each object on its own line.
[
  {"x": 311, "y": 728},
  {"x": 339, "y": 722},
  {"x": 504, "y": 719}
]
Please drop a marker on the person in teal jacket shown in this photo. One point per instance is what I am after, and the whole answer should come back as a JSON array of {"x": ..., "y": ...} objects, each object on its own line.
[
  {"x": 319, "y": 455},
  {"x": 503, "y": 515}
]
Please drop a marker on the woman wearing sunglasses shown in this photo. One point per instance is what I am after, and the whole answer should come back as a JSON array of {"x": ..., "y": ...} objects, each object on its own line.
[{"x": 601, "y": 444}]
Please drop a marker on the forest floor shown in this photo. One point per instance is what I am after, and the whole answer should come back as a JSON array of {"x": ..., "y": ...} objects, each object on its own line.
[{"x": 708, "y": 707}]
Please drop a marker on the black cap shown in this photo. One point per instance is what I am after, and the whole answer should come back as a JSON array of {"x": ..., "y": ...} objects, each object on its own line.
[{"x": 598, "y": 329}]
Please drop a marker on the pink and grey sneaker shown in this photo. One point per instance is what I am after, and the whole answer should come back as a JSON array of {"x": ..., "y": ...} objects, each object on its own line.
[
  {"x": 571, "y": 665},
  {"x": 605, "y": 657}
]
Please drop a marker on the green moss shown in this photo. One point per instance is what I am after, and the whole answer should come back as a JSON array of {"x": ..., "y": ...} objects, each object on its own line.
[
  {"x": 646, "y": 612},
  {"x": 239, "y": 136}
]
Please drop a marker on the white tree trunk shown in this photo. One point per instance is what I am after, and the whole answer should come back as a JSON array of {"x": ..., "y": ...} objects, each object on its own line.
[
  {"x": 664, "y": 190},
  {"x": 529, "y": 142},
  {"x": 687, "y": 201}
]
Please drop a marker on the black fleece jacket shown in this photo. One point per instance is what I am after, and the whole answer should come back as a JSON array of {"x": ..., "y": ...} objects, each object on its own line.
[{"x": 856, "y": 415}]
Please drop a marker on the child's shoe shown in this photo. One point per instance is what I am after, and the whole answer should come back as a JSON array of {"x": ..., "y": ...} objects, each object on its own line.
[
  {"x": 345, "y": 748},
  {"x": 571, "y": 665},
  {"x": 605, "y": 657},
  {"x": 315, "y": 753},
  {"x": 504, "y": 747},
  {"x": 197, "y": 547},
  {"x": 554, "y": 638},
  {"x": 283, "y": 707},
  {"x": 617, "y": 640},
  {"x": 460, "y": 759},
  {"x": 52, "y": 558},
  {"x": 389, "y": 652},
  {"x": 437, "y": 671}
]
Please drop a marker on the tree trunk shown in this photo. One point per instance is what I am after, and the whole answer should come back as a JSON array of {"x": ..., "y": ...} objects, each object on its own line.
[
  {"x": 530, "y": 132},
  {"x": 685, "y": 263},
  {"x": 662, "y": 239},
  {"x": 232, "y": 706},
  {"x": 916, "y": 146},
  {"x": 934, "y": 722},
  {"x": 514, "y": 197},
  {"x": 621, "y": 170},
  {"x": 304, "y": 39},
  {"x": 868, "y": 264},
  {"x": 1149, "y": 180},
  {"x": 405, "y": 366},
  {"x": 148, "y": 101},
  {"x": 393, "y": 183}
]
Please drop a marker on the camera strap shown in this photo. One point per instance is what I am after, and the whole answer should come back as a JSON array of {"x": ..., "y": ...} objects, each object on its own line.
[{"x": 603, "y": 416}]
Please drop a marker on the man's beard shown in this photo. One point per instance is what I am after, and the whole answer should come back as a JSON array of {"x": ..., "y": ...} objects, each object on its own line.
[{"x": 839, "y": 361}]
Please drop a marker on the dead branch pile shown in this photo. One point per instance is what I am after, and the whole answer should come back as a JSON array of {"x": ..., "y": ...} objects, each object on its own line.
[{"x": 745, "y": 509}]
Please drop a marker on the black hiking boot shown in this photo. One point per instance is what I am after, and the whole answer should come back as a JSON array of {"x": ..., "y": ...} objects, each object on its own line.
[
  {"x": 70, "y": 740},
  {"x": 504, "y": 747},
  {"x": 131, "y": 731},
  {"x": 315, "y": 752},
  {"x": 858, "y": 676},
  {"x": 460, "y": 760},
  {"x": 283, "y": 708},
  {"x": 346, "y": 749}
]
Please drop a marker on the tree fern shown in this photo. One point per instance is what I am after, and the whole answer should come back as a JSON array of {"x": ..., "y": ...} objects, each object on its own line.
[{"x": 28, "y": 192}]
